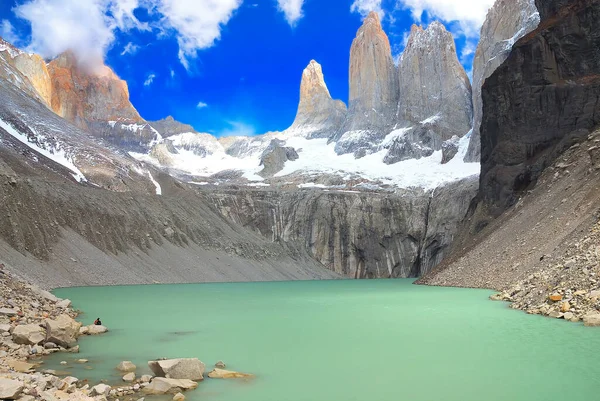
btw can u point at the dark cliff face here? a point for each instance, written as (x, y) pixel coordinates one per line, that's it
(359, 235)
(542, 100)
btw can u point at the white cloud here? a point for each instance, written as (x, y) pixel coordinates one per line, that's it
(172, 73)
(130, 48)
(59, 25)
(201, 105)
(8, 32)
(87, 27)
(149, 79)
(197, 23)
(237, 128)
(292, 9)
(469, 13)
(364, 7)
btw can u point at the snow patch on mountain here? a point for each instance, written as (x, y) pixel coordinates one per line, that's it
(52, 152)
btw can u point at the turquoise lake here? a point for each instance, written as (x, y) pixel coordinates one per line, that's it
(384, 340)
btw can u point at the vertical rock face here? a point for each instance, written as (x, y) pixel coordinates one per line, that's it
(433, 84)
(84, 97)
(34, 68)
(545, 97)
(506, 22)
(26, 71)
(318, 114)
(357, 235)
(373, 83)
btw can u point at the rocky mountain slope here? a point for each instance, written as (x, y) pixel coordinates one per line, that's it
(532, 232)
(506, 22)
(369, 196)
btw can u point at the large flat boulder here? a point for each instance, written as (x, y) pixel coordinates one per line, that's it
(162, 385)
(62, 331)
(28, 334)
(10, 389)
(228, 374)
(592, 320)
(181, 368)
(94, 329)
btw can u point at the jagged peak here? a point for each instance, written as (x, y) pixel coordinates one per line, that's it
(436, 32)
(12, 50)
(312, 77)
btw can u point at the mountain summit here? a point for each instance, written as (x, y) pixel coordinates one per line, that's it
(317, 111)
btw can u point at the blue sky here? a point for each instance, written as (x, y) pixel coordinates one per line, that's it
(224, 66)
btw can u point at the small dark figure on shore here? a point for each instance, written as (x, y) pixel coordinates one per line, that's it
(97, 322)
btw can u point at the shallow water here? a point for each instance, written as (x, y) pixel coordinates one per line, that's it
(340, 340)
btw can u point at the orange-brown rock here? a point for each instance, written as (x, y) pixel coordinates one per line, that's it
(318, 114)
(34, 68)
(85, 96)
(555, 297)
(26, 71)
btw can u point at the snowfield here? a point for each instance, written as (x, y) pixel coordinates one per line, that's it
(317, 157)
(54, 153)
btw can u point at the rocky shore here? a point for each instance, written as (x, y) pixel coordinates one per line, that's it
(34, 323)
(568, 287)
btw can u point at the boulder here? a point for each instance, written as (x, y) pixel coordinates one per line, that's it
(178, 397)
(220, 365)
(565, 307)
(555, 297)
(100, 389)
(162, 385)
(64, 304)
(8, 312)
(592, 319)
(182, 368)
(10, 389)
(146, 378)
(62, 331)
(594, 294)
(5, 328)
(83, 330)
(20, 366)
(28, 334)
(129, 377)
(449, 149)
(94, 329)
(126, 366)
(228, 374)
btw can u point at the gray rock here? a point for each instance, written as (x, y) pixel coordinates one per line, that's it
(182, 368)
(126, 366)
(274, 157)
(506, 22)
(433, 85)
(10, 389)
(161, 385)
(449, 149)
(94, 329)
(62, 331)
(220, 365)
(129, 377)
(64, 304)
(100, 389)
(592, 319)
(28, 334)
(8, 312)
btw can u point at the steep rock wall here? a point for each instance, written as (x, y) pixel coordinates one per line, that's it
(545, 97)
(359, 235)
